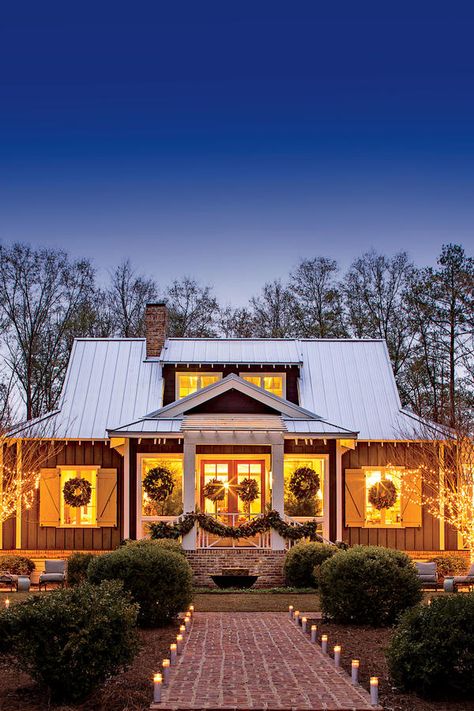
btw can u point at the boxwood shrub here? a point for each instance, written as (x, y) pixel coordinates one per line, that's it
(302, 563)
(77, 565)
(368, 585)
(71, 640)
(16, 565)
(450, 565)
(158, 579)
(165, 543)
(432, 650)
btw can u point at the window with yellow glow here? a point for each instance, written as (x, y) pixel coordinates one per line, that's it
(80, 515)
(219, 471)
(313, 506)
(173, 504)
(274, 384)
(249, 470)
(188, 383)
(382, 517)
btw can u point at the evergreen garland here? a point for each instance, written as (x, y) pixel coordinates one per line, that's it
(261, 524)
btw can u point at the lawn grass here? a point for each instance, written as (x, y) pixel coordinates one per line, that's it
(252, 602)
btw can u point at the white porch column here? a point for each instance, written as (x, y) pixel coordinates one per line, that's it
(189, 490)
(278, 499)
(126, 489)
(339, 494)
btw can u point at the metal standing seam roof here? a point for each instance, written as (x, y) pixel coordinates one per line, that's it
(111, 386)
(271, 351)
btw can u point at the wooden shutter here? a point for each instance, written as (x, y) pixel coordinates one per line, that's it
(50, 481)
(411, 500)
(107, 497)
(355, 497)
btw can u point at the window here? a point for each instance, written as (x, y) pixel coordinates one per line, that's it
(81, 515)
(313, 506)
(382, 517)
(274, 384)
(188, 383)
(173, 504)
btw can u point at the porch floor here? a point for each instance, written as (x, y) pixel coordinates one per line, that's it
(256, 661)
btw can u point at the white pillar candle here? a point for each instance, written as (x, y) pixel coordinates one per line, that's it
(166, 671)
(355, 671)
(314, 630)
(304, 622)
(291, 610)
(374, 690)
(7, 603)
(324, 644)
(173, 654)
(182, 629)
(157, 682)
(187, 624)
(296, 616)
(337, 655)
(179, 644)
(191, 610)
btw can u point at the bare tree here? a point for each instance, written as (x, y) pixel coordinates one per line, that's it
(236, 323)
(41, 293)
(375, 292)
(193, 309)
(126, 298)
(318, 299)
(273, 311)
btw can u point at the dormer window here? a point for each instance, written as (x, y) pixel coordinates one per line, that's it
(275, 384)
(188, 383)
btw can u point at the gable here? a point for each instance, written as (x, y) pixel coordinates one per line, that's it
(233, 401)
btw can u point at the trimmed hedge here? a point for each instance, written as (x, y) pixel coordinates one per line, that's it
(450, 565)
(368, 585)
(159, 580)
(77, 566)
(71, 640)
(16, 565)
(302, 563)
(432, 650)
(168, 544)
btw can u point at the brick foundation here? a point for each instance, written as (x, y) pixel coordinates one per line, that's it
(268, 565)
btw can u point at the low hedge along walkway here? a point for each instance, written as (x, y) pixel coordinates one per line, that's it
(256, 661)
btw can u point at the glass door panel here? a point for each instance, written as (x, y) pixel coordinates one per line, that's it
(250, 470)
(220, 471)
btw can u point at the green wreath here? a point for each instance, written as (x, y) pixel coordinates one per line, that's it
(214, 490)
(158, 484)
(383, 494)
(77, 492)
(248, 490)
(304, 483)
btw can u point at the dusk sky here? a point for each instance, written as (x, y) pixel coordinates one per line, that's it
(227, 140)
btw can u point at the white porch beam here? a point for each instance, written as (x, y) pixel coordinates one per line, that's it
(278, 488)
(189, 490)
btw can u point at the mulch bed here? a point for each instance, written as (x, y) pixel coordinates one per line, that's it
(367, 644)
(128, 691)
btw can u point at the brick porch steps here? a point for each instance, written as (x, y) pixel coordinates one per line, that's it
(256, 661)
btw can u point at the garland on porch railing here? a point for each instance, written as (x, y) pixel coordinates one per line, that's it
(261, 524)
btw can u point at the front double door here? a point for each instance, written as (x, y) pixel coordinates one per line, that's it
(231, 473)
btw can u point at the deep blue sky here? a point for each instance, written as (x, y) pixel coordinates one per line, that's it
(229, 139)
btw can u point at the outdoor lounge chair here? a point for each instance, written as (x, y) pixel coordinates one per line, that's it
(460, 580)
(54, 572)
(8, 580)
(428, 575)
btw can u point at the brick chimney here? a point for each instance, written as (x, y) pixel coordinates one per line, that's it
(156, 324)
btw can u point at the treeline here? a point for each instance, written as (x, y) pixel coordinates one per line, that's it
(425, 314)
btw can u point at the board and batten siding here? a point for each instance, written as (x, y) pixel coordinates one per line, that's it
(37, 537)
(423, 538)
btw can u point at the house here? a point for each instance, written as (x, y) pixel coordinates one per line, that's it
(218, 412)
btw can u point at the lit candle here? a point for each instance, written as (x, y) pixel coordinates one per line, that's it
(337, 655)
(7, 603)
(187, 623)
(166, 671)
(291, 610)
(182, 629)
(324, 644)
(157, 681)
(296, 616)
(173, 654)
(303, 623)
(179, 643)
(314, 629)
(355, 671)
(374, 690)
(191, 610)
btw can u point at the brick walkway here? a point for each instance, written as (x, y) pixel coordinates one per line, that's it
(256, 661)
